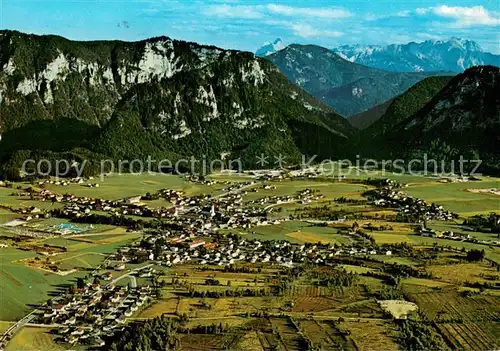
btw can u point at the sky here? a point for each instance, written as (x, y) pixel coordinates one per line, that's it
(248, 24)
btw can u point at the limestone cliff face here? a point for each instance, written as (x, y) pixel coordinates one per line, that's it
(158, 96)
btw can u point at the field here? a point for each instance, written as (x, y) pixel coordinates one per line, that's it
(455, 197)
(119, 186)
(295, 231)
(330, 190)
(24, 286)
(300, 312)
(466, 322)
(33, 339)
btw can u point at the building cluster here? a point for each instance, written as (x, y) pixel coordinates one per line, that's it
(390, 196)
(450, 235)
(88, 313)
(167, 249)
(304, 197)
(66, 182)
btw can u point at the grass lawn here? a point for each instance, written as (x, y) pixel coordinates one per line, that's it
(296, 232)
(6, 199)
(491, 252)
(398, 260)
(22, 287)
(456, 198)
(117, 186)
(330, 190)
(355, 269)
(423, 282)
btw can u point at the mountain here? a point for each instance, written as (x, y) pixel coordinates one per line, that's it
(453, 55)
(463, 118)
(366, 118)
(385, 116)
(270, 48)
(159, 97)
(348, 87)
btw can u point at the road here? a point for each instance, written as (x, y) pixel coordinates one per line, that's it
(129, 274)
(15, 328)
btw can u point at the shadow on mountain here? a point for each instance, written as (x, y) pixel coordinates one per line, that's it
(53, 135)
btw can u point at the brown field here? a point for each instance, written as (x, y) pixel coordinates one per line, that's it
(228, 306)
(469, 336)
(268, 341)
(311, 238)
(372, 335)
(250, 341)
(195, 342)
(290, 337)
(468, 322)
(318, 336)
(314, 304)
(163, 306)
(464, 272)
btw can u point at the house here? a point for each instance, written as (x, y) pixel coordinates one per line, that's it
(133, 200)
(120, 267)
(196, 244)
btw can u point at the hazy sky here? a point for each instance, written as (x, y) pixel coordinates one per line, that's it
(247, 24)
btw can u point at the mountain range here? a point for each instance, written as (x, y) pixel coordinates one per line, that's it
(453, 55)
(443, 118)
(171, 99)
(349, 88)
(158, 97)
(381, 118)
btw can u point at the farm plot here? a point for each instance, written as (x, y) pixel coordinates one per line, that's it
(463, 321)
(250, 341)
(457, 198)
(445, 307)
(288, 334)
(464, 272)
(339, 337)
(318, 336)
(33, 339)
(468, 336)
(371, 335)
(195, 342)
(268, 341)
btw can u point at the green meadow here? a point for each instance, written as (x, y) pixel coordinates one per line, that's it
(293, 231)
(24, 287)
(456, 198)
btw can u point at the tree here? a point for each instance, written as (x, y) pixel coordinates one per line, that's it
(80, 283)
(475, 255)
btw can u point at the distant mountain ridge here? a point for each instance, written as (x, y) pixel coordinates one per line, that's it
(270, 48)
(453, 55)
(347, 87)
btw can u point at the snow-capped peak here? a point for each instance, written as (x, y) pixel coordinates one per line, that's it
(454, 54)
(270, 48)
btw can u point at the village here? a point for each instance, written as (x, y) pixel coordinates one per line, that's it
(196, 230)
